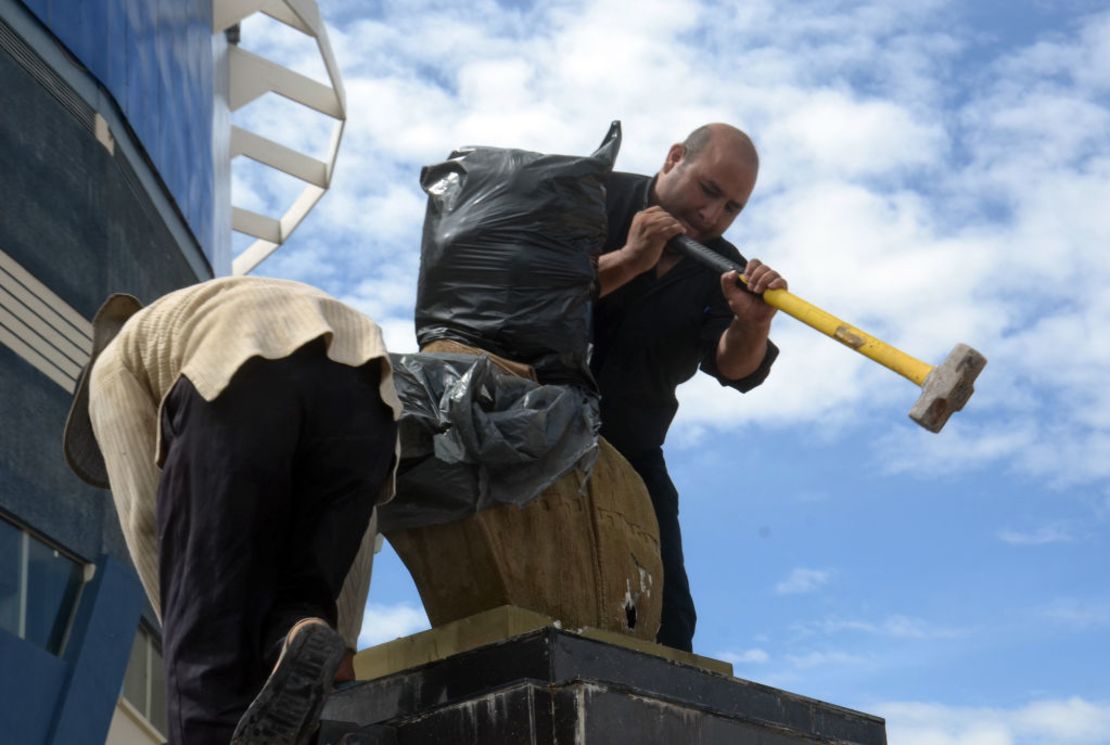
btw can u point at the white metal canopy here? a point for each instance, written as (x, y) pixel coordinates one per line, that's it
(251, 77)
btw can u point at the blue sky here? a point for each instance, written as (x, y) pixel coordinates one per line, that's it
(935, 172)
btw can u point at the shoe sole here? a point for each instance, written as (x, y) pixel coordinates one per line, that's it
(287, 709)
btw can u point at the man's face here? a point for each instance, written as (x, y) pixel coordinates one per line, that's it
(707, 193)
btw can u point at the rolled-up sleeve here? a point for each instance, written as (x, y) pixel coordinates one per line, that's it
(749, 381)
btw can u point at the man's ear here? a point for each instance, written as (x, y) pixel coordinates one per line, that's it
(674, 156)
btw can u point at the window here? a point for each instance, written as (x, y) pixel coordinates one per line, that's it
(144, 684)
(39, 587)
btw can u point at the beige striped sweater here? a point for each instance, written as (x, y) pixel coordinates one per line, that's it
(206, 332)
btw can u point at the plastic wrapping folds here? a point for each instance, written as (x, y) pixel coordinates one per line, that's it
(473, 437)
(509, 250)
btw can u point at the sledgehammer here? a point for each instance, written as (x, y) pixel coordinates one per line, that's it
(944, 388)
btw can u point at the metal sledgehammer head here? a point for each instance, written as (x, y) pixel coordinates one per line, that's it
(947, 387)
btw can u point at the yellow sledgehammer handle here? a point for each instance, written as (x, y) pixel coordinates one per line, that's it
(908, 367)
(895, 359)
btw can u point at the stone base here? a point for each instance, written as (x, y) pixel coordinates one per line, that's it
(553, 687)
(494, 626)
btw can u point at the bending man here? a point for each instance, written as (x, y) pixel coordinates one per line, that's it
(247, 430)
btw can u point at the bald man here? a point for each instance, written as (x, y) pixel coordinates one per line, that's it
(661, 317)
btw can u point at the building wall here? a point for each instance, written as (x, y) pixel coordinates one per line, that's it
(154, 58)
(93, 203)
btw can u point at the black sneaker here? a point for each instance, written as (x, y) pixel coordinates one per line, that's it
(287, 709)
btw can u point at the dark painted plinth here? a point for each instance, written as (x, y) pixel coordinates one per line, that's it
(551, 687)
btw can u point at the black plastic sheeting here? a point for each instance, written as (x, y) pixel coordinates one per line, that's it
(509, 252)
(473, 437)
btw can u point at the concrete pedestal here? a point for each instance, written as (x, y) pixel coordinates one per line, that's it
(552, 687)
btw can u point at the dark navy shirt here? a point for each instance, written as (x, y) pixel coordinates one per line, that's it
(652, 334)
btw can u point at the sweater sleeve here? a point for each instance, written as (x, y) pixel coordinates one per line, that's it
(125, 420)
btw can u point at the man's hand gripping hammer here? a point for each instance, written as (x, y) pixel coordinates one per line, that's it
(944, 388)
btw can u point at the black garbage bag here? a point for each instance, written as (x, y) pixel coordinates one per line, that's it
(508, 259)
(473, 437)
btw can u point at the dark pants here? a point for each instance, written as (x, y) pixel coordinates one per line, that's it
(265, 496)
(679, 617)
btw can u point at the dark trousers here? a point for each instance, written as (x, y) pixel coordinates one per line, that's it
(265, 496)
(679, 617)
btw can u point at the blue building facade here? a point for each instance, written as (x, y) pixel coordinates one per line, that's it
(113, 155)
(154, 58)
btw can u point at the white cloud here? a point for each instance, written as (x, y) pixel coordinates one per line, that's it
(383, 623)
(803, 580)
(399, 335)
(896, 626)
(964, 444)
(1078, 615)
(851, 138)
(1072, 721)
(1063, 454)
(1041, 536)
(812, 660)
(753, 656)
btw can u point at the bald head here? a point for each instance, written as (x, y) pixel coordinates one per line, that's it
(706, 180)
(734, 140)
